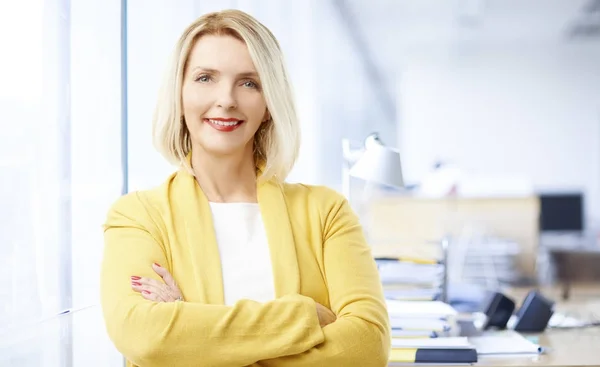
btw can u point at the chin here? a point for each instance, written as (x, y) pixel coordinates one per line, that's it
(221, 144)
(217, 148)
(221, 151)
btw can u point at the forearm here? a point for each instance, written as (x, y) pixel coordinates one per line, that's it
(183, 334)
(349, 342)
(360, 337)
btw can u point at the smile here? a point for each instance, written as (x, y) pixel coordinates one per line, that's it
(225, 125)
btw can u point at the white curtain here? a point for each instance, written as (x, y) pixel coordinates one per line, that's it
(31, 164)
(60, 169)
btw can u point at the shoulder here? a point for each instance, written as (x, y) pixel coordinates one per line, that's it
(141, 207)
(325, 205)
(317, 194)
(325, 200)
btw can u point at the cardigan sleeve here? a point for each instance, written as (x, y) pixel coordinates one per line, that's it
(184, 333)
(360, 336)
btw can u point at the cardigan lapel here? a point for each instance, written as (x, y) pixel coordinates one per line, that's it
(282, 248)
(204, 250)
(201, 238)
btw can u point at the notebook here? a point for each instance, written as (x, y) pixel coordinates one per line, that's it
(420, 309)
(502, 343)
(451, 350)
(456, 342)
(399, 333)
(419, 324)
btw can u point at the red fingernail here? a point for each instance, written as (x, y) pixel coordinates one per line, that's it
(157, 265)
(136, 283)
(135, 278)
(145, 292)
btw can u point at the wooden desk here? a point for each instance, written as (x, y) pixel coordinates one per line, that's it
(564, 348)
(574, 347)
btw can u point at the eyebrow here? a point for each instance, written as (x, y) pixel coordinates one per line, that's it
(246, 74)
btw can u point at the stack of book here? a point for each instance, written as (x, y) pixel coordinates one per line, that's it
(411, 279)
(422, 319)
(454, 350)
(424, 328)
(426, 332)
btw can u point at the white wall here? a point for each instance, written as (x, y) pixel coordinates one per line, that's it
(532, 112)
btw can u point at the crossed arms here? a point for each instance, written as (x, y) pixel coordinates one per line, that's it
(283, 332)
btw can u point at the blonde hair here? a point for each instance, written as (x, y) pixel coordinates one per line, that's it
(277, 142)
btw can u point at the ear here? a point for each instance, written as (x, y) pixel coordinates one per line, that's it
(267, 116)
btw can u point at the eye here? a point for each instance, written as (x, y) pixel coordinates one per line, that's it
(250, 84)
(203, 78)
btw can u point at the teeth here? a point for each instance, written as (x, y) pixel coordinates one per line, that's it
(223, 123)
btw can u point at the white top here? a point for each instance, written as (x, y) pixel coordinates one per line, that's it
(244, 251)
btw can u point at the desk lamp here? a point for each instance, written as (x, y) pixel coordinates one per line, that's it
(379, 164)
(375, 163)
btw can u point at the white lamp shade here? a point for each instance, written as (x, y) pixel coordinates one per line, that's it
(379, 164)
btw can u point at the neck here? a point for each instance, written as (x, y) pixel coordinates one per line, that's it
(225, 178)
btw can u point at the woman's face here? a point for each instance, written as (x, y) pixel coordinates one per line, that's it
(223, 104)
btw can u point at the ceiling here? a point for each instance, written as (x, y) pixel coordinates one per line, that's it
(424, 22)
(385, 33)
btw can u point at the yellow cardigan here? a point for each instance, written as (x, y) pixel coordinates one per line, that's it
(318, 252)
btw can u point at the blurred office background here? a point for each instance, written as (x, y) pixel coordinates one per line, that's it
(494, 106)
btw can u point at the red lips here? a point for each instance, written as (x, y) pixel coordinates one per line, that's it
(224, 128)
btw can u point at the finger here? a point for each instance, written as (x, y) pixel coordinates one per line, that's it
(145, 283)
(333, 317)
(167, 293)
(328, 315)
(151, 296)
(136, 283)
(330, 320)
(158, 293)
(167, 277)
(152, 282)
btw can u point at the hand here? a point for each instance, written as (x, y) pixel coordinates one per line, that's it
(154, 290)
(326, 316)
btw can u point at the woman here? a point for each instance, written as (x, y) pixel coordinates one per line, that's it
(268, 273)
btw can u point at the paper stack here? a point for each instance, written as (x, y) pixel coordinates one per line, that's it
(424, 319)
(411, 279)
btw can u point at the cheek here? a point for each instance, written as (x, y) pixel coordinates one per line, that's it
(255, 108)
(192, 100)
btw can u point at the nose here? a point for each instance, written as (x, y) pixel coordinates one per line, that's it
(225, 97)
